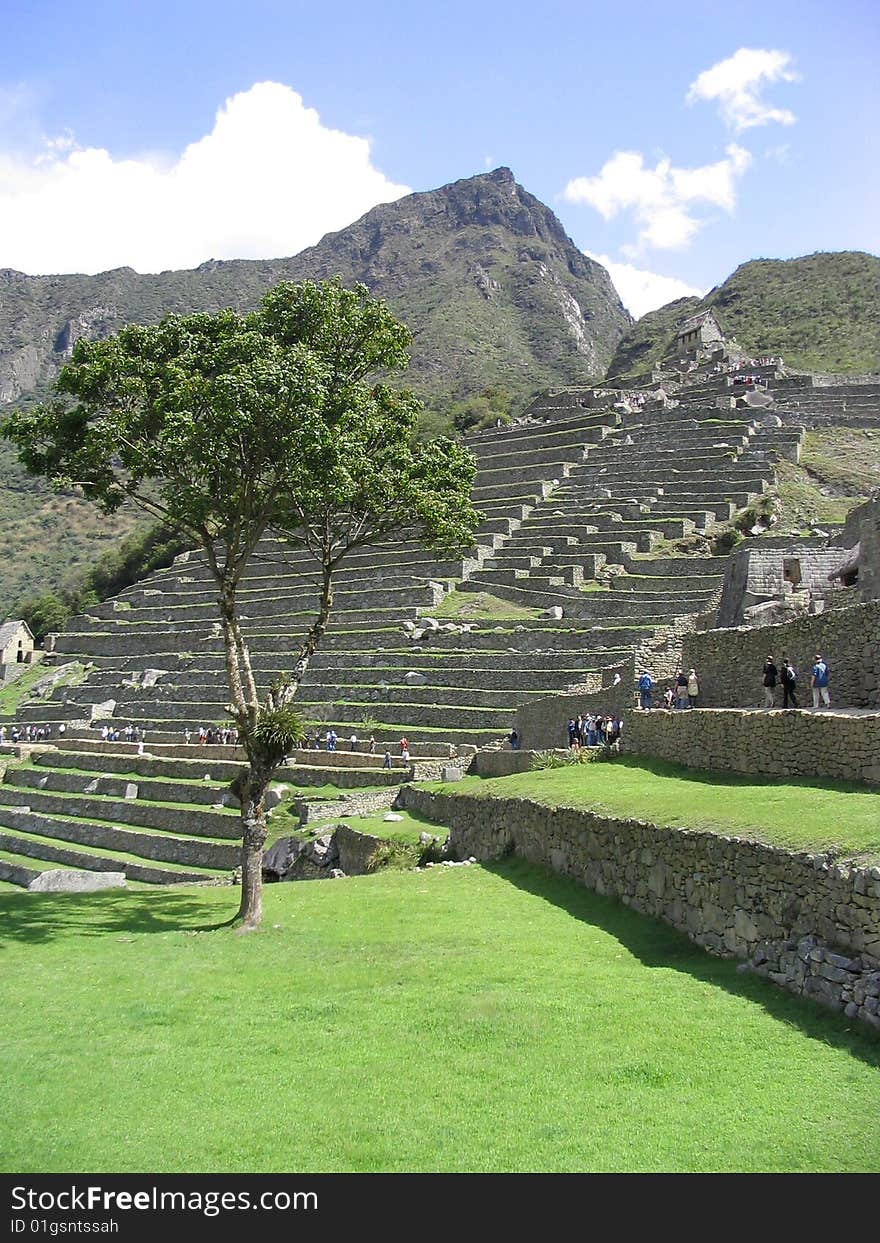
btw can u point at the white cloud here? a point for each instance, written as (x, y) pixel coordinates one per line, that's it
(661, 197)
(642, 291)
(268, 180)
(736, 85)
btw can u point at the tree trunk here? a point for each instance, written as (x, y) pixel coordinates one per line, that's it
(253, 838)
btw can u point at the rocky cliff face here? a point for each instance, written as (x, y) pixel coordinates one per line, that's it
(482, 272)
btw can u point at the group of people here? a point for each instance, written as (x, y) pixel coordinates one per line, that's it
(594, 730)
(682, 692)
(30, 733)
(786, 676)
(215, 735)
(113, 733)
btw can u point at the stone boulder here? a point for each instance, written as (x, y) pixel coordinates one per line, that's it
(72, 880)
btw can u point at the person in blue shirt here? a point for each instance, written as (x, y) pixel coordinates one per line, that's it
(646, 685)
(819, 683)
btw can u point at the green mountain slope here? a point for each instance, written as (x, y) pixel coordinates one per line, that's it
(820, 312)
(481, 271)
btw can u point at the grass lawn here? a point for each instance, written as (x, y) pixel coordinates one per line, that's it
(466, 606)
(405, 830)
(456, 1019)
(800, 815)
(12, 694)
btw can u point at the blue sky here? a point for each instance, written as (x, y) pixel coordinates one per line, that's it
(673, 142)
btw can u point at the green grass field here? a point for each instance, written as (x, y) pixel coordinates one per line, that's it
(455, 1019)
(799, 815)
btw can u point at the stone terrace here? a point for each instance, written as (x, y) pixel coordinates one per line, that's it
(575, 507)
(168, 816)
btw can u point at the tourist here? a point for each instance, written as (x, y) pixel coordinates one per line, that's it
(769, 680)
(681, 690)
(404, 751)
(513, 739)
(819, 683)
(693, 688)
(354, 742)
(187, 734)
(646, 685)
(669, 697)
(372, 744)
(572, 732)
(386, 763)
(788, 677)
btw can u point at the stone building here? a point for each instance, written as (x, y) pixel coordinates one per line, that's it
(16, 643)
(772, 579)
(16, 648)
(700, 332)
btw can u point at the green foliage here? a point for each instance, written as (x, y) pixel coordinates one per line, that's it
(396, 855)
(146, 550)
(726, 542)
(486, 409)
(544, 760)
(839, 468)
(278, 731)
(44, 614)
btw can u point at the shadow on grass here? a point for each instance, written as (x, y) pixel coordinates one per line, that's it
(657, 944)
(41, 918)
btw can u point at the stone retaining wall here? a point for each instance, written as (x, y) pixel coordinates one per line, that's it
(158, 847)
(771, 744)
(355, 805)
(810, 926)
(730, 662)
(541, 723)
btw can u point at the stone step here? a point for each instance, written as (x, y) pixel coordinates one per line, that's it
(270, 605)
(157, 817)
(512, 476)
(175, 717)
(49, 854)
(155, 847)
(206, 704)
(543, 433)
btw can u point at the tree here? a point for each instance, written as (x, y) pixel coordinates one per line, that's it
(229, 427)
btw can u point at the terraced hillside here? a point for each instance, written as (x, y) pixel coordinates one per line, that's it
(575, 503)
(163, 818)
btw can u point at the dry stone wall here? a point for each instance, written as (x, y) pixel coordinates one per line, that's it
(542, 722)
(808, 925)
(730, 662)
(771, 744)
